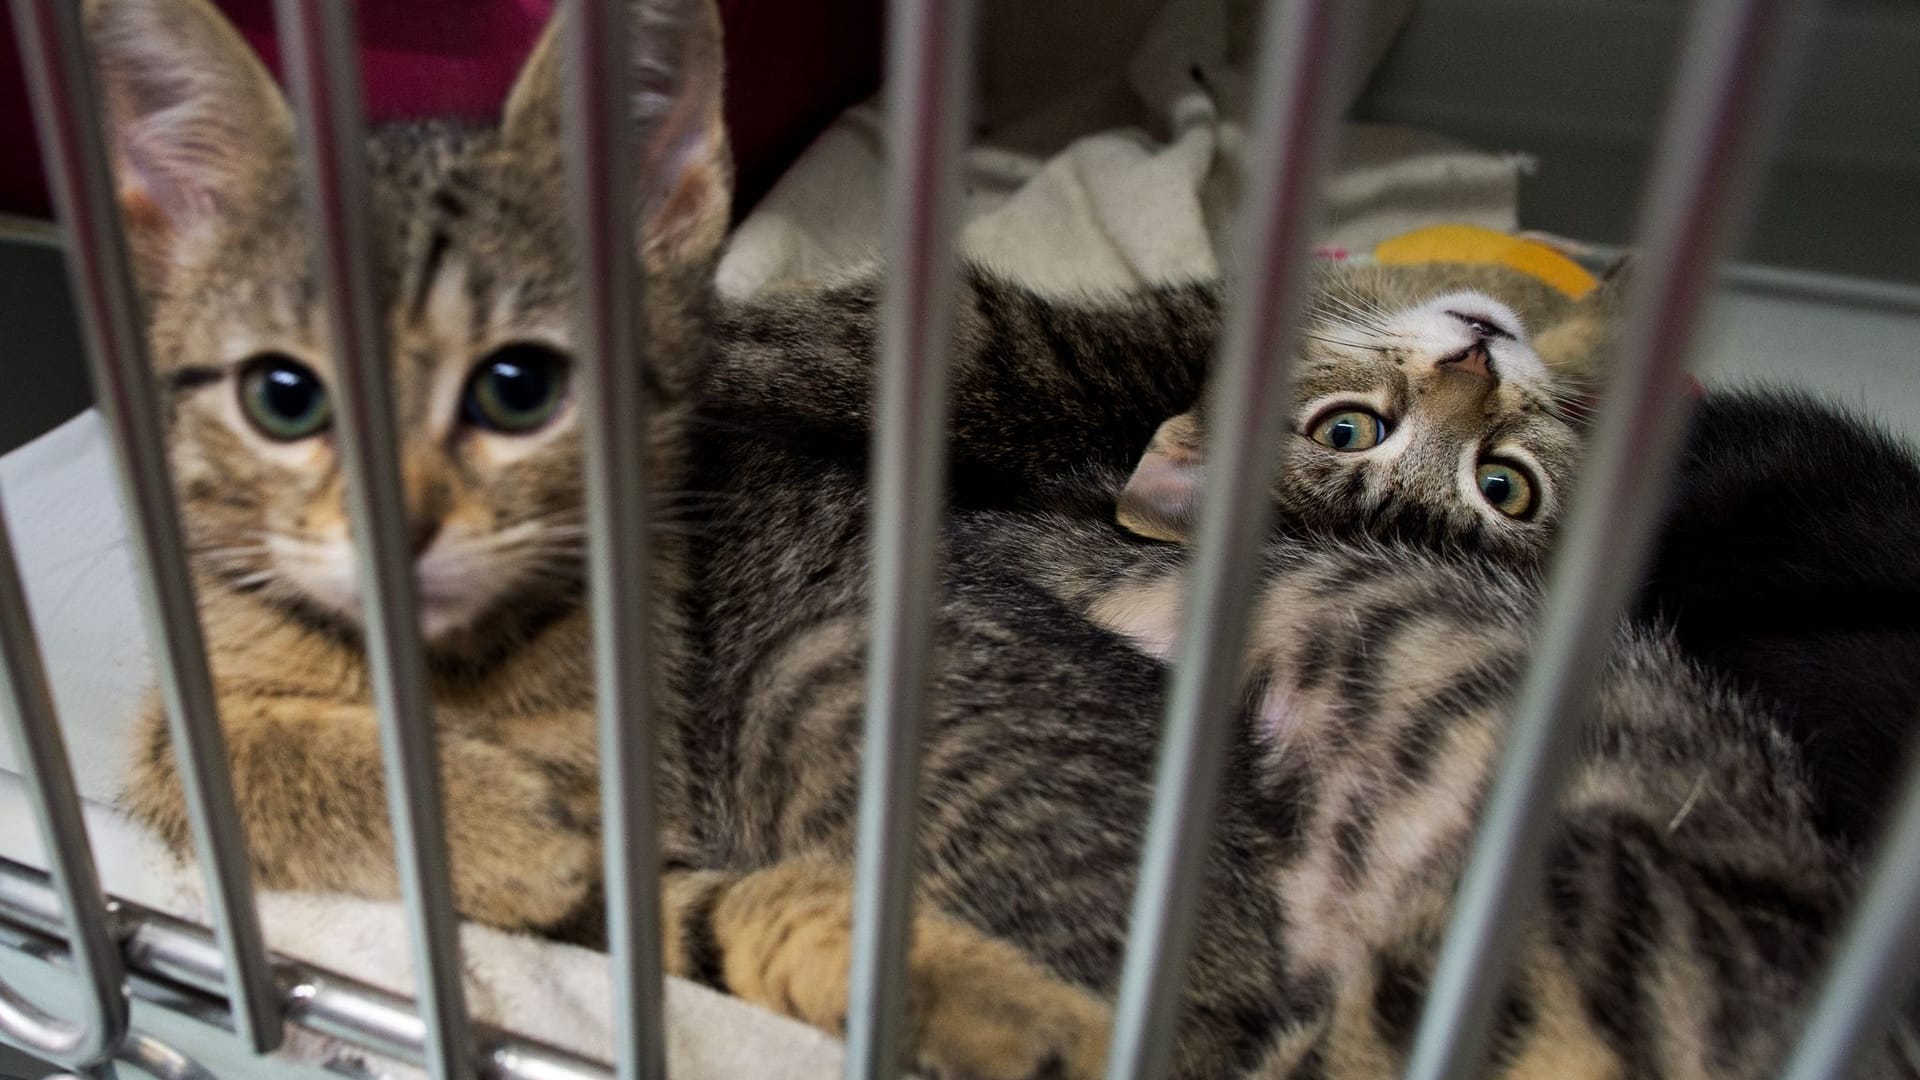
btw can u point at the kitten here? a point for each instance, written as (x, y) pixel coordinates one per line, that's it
(1382, 666)
(475, 269)
(1768, 570)
(1691, 892)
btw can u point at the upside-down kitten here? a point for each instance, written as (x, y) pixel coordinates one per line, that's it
(1690, 897)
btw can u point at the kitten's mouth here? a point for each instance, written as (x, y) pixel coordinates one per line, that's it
(442, 610)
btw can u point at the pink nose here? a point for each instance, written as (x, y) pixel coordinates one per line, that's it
(1472, 360)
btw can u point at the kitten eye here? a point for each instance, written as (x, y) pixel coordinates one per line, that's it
(284, 398)
(1349, 430)
(516, 389)
(1506, 487)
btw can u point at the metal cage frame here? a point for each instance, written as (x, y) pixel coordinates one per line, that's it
(1730, 89)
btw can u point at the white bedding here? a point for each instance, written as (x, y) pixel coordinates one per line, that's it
(1097, 211)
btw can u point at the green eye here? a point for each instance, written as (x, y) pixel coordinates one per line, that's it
(284, 398)
(1506, 487)
(1350, 429)
(516, 389)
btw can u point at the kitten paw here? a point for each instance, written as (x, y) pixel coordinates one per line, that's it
(524, 858)
(981, 1011)
(977, 1007)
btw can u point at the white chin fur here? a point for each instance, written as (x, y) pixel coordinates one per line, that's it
(449, 597)
(1440, 332)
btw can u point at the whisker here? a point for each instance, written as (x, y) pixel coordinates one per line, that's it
(1369, 318)
(1327, 339)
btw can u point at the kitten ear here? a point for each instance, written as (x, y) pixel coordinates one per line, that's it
(1620, 270)
(196, 125)
(675, 79)
(1162, 498)
(1579, 347)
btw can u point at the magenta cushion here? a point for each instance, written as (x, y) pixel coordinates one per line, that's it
(792, 67)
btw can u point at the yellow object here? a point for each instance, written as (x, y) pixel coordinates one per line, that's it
(1471, 244)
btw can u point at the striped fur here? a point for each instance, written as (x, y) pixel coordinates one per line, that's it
(1689, 900)
(1040, 742)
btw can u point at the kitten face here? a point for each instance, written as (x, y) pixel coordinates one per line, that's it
(1431, 418)
(474, 269)
(1438, 418)
(480, 340)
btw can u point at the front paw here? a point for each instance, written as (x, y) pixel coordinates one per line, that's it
(977, 1008)
(980, 1010)
(523, 857)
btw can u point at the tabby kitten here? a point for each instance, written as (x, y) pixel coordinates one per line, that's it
(474, 264)
(1691, 893)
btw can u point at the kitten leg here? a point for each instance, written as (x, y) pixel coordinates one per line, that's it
(310, 786)
(977, 1007)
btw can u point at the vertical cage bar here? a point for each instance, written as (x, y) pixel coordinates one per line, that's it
(63, 836)
(1873, 968)
(1304, 51)
(929, 79)
(601, 162)
(322, 68)
(1730, 90)
(66, 110)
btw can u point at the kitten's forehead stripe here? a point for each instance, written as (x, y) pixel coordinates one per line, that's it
(182, 380)
(437, 245)
(480, 284)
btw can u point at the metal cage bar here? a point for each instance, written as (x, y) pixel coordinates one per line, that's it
(603, 177)
(66, 112)
(930, 73)
(179, 961)
(1303, 53)
(63, 836)
(317, 38)
(1730, 90)
(1873, 967)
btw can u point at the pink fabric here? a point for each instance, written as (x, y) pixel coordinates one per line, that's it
(424, 57)
(792, 66)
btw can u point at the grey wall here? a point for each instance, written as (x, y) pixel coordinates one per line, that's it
(43, 378)
(1579, 84)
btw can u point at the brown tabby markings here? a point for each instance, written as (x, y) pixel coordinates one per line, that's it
(474, 257)
(1688, 901)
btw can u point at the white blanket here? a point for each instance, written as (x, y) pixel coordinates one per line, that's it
(1088, 210)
